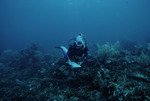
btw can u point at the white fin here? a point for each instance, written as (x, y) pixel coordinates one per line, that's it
(64, 49)
(73, 64)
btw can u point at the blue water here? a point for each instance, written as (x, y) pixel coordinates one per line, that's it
(53, 22)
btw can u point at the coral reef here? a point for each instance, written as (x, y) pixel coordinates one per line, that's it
(106, 51)
(112, 74)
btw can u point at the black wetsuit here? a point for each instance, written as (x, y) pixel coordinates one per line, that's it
(74, 52)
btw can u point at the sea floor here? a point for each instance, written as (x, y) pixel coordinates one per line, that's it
(30, 75)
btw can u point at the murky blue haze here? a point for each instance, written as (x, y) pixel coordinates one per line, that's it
(53, 22)
(29, 72)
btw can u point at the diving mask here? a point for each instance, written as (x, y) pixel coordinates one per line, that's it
(79, 41)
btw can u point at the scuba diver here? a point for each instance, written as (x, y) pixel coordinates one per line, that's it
(77, 51)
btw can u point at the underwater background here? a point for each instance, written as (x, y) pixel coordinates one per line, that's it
(51, 22)
(118, 38)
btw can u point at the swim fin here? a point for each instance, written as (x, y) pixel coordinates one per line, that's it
(73, 64)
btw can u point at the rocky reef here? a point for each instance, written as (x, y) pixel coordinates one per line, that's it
(111, 73)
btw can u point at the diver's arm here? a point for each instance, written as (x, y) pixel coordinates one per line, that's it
(83, 60)
(85, 55)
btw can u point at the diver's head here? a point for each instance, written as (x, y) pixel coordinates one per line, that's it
(79, 41)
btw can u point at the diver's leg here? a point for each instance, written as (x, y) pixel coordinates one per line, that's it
(66, 56)
(65, 52)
